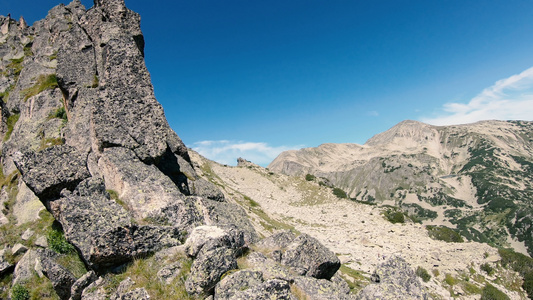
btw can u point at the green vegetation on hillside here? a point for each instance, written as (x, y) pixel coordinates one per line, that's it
(339, 193)
(11, 121)
(443, 233)
(520, 263)
(43, 82)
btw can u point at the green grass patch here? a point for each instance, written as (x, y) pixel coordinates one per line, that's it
(59, 113)
(11, 121)
(449, 279)
(310, 177)
(394, 215)
(355, 279)
(339, 193)
(144, 273)
(43, 83)
(471, 288)
(491, 293)
(20, 292)
(520, 263)
(423, 274)
(443, 233)
(487, 268)
(56, 240)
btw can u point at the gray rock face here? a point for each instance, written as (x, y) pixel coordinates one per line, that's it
(207, 269)
(321, 289)
(95, 291)
(77, 287)
(43, 262)
(5, 266)
(102, 230)
(143, 187)
(270, 268)
(210, 237)
(271, 289)
(48, 172)
(62, 280)
(236, 283)
(122, 244)
(277, 241)
(397, 281)
(169, 272)
(18, 249)
(312, 258)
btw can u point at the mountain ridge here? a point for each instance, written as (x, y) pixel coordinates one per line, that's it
(458, 165)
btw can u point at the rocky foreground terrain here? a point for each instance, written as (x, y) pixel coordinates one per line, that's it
(100, 199)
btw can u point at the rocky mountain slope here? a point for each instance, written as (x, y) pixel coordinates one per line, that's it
(100, 199)
(476, 178)
(99, 196)
(361, 234)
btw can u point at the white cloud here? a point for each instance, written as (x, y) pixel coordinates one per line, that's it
(508, 99)
(227, 152)
(372, 113)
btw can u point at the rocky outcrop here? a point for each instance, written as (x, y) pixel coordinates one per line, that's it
(77, 287)
(81, 125)
(69, 166)
(5, 266)
(394, 279)
(44, 263)
(85, 79)
(303, 254)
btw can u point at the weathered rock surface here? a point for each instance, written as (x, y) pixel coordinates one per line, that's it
(5, 266)
(95, 291)
(169, 272)
(18, 249)
(304, 254)
(208, 267)
(50, 171)
(210, 237)
(27, 206)
(77, 287)
(271, 289)
(43, 262)
(321, 288)
(396, 281)
(236, 283)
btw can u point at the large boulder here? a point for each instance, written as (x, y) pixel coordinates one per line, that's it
(397, 280)
(50, 171)
(322, 289)
(210, 237)
(236, 283)
(44, 263)
(208, 267)
(307, 256)
(5, 266)
(77, 287)
(143, 187)
(271, 289)
(102, 229)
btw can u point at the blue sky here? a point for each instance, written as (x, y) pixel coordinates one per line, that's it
(253, 78)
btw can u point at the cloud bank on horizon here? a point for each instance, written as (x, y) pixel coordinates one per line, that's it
(227, 152)
(507, 99)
